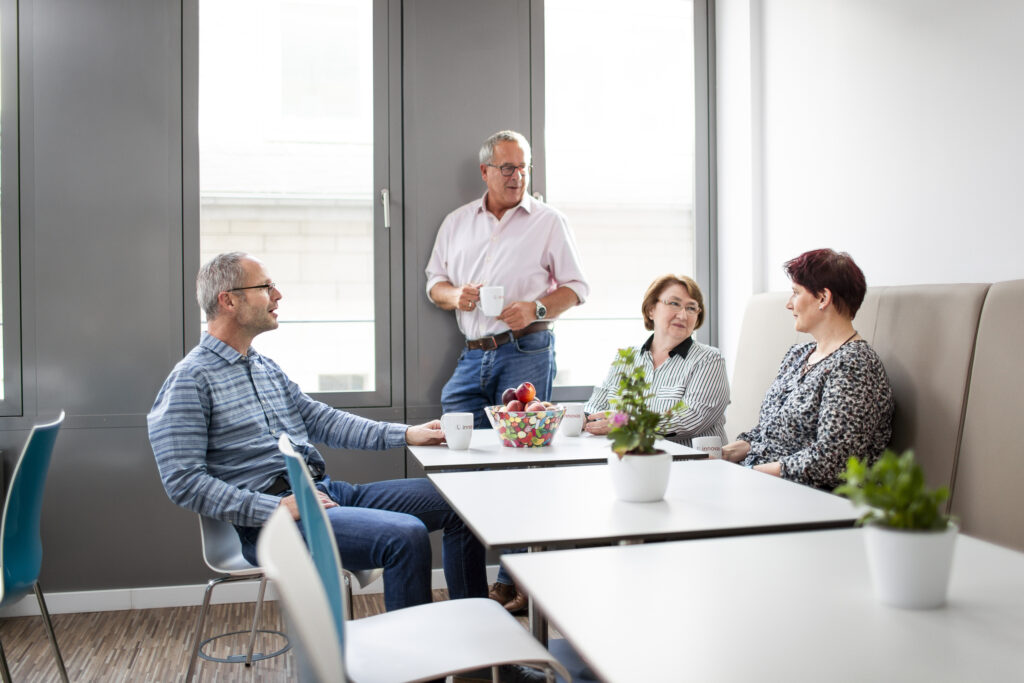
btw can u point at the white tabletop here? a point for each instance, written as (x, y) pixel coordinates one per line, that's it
(560, 506)
(485, 451)
(783, 607)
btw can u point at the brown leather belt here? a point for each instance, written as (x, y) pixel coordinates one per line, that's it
(489, 343)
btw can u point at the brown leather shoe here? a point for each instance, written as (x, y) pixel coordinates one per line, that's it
(501, 592)
(518, 603)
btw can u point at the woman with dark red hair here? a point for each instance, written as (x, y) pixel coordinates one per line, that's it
(831, 398)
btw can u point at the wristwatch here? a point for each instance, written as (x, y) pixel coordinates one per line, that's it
(542, 310)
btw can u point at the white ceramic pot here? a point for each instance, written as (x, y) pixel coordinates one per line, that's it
(640, 478)
(910, 569)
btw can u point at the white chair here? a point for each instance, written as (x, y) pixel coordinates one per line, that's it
(412, 644)
(222, 553)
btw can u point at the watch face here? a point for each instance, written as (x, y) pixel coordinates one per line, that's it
(542, 310)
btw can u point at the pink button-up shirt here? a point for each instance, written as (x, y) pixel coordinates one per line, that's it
(530, 252)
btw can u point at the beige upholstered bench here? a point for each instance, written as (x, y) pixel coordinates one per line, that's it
(953, 355)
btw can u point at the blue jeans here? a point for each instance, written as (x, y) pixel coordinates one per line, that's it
(480, 376)
(386, 524)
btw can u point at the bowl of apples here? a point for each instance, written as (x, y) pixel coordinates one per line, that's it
(522, 421)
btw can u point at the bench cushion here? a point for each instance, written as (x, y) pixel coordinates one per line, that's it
(990, 470)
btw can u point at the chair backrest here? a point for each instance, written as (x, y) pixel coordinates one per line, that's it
(990, 469)
(287, 562)
(925, 336)
(21, 547)
(317, 530)
(222, 549)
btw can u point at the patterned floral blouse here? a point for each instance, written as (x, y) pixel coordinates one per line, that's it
(812, 422)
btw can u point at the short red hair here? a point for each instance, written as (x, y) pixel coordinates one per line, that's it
(823, 269)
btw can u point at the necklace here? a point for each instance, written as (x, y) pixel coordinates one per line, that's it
(808, 364)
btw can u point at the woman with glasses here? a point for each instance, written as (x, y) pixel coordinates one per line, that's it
(831, 398)
(677, 366)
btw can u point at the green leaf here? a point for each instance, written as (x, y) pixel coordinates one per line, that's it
(895, 490)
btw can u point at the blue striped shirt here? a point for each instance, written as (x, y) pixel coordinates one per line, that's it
(215, 424)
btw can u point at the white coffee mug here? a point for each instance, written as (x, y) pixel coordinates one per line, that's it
(712, 445)
(572, 421)
(492, 300)
(458, 430)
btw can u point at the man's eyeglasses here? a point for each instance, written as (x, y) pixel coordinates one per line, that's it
(691, 309)
(268, 286)
(508, 169)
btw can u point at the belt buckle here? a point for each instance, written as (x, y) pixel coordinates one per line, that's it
(488, 343)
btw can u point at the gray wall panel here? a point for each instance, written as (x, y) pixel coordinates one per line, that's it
(106, 149)
(466, 75)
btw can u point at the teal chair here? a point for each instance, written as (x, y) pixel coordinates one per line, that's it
(21, 548)
(412, 644)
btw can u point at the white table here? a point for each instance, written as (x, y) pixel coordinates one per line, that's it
(485, 451)
(565, 506)
(783, 607)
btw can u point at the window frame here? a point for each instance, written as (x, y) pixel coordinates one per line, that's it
(705, 208)
(10, 211)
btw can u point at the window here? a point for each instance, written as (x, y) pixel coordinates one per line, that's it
(286, 154)
(620, 162)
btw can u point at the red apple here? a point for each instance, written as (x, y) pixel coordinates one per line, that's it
(514, 405)
(535, 406)
(526, 392)
(508, 395)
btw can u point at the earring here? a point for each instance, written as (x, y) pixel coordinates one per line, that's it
(821, 307)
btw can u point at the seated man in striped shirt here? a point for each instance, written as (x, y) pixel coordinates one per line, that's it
(214, 429)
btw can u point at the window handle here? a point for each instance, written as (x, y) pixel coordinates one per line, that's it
(385, 201)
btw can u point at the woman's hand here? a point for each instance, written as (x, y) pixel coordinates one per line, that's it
(735, 451)
(597, 423)
(772, 468)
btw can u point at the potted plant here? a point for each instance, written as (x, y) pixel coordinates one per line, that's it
(639, 471)
(909, 539)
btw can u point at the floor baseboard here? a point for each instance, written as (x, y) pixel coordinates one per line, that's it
(171, 596)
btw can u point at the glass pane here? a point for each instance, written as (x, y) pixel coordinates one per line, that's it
(286, 172)
(619, 141)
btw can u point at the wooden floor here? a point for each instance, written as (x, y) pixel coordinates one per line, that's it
(153, 645)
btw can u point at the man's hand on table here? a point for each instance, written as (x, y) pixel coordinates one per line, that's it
(428, 434)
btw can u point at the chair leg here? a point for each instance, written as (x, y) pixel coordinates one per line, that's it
(49, 632)
(255, 622)
(4, 671)
(349, 613)
(197, 641)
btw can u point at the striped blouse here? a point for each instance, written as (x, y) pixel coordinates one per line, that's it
(695, 373)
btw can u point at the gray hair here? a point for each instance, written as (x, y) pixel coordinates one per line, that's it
(220, 274)
(487, 151)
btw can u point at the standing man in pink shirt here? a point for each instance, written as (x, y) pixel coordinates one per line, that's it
(510, 239)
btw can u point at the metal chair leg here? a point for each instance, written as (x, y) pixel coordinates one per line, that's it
(197, 641)
(349, 614)
(49, 632)
(255, 622)
(4, 671)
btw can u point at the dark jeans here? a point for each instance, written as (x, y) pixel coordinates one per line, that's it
(386, 524)
(481, 376)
